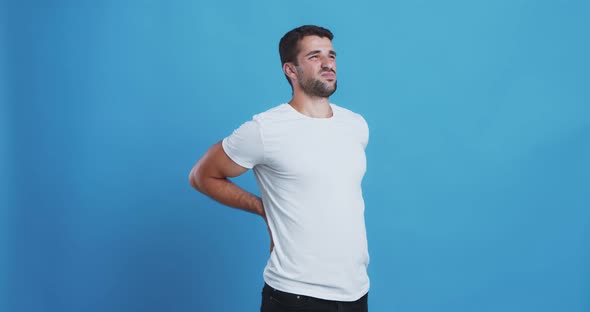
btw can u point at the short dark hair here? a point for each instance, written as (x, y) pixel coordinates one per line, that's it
(289, 44)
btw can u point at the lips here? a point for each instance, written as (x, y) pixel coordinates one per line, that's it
(329, 75)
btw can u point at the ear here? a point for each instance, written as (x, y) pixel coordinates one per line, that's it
(290, 71)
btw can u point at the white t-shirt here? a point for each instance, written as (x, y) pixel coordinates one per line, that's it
(309, 171)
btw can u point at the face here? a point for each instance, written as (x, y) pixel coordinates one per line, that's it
(316, 69)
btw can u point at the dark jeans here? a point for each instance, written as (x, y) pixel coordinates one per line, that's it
(278, 301)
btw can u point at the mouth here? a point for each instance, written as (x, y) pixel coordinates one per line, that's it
(329, 75)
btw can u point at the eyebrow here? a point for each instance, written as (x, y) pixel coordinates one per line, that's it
(331, 52)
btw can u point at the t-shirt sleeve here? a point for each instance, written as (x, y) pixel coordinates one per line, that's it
(244, 146)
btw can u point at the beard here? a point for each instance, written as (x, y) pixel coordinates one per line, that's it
(315, 87)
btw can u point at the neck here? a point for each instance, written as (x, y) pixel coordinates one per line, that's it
(315, 107)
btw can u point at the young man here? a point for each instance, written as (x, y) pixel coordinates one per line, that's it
(308, 157)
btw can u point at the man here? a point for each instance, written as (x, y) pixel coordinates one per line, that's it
(308, 157)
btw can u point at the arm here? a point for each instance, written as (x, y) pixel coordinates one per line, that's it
(210, 177)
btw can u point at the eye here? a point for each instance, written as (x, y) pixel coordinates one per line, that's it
(313, 57)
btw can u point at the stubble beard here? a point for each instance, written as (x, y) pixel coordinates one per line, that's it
(316, 88)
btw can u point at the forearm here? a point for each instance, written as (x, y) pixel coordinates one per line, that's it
(227, 193)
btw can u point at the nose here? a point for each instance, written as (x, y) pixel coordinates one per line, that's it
(328, 63)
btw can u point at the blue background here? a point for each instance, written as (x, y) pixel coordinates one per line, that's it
(478, 182)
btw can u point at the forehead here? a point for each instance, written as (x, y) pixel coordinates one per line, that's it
(312, 43)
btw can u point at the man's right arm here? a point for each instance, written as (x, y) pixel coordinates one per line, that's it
(210, 177)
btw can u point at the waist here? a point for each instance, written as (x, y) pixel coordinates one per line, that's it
(287, 297)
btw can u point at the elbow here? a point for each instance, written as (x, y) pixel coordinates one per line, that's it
(194, 179)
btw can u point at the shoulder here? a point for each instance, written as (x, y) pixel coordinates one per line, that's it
(277, 113)
(351, 118)
(348, 114)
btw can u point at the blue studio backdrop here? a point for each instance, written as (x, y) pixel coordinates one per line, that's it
(478, 181)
